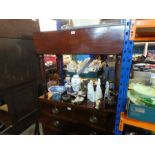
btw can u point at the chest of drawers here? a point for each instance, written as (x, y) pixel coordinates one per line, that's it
(65, 118)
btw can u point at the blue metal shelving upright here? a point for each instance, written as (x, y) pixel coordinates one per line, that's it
(125, 75)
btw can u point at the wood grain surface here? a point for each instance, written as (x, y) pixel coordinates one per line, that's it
(95, 40)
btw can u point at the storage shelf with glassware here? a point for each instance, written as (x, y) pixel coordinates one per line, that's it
(140, 107)
(97, 92)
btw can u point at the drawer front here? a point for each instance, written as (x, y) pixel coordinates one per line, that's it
(64, 111)
(57, 110)
(53, 131)
(81, 115)
(110, 122)
(52, 125)
(83, 129)
(95, 119)
(95, 132)
(88, 117)
(104, 120)
(60, 124)
(55, 122)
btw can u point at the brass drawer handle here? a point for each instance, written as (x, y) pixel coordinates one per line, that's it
(56, 123)
(93, 119)
(55, 110)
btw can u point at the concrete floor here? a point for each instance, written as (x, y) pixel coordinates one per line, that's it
(31, 129)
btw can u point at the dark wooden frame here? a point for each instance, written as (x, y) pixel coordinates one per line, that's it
(92, 40)
(19, 68)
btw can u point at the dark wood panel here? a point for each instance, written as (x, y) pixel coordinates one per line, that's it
(20, 75)
(24, 100)
(53, 131)
(97, 40)
(22, 124)
(18, 28)
(22, 105)
(18, 62)
(80, 119)
(21, 100)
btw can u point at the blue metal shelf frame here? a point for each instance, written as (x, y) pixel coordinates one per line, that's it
(125, 75)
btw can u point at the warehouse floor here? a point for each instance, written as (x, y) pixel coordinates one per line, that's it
(31, 129)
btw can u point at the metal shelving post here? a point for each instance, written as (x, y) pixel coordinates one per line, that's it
(125, 74)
